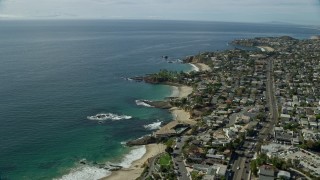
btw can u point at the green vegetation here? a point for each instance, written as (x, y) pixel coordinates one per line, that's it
(312, 145)
(275, 161)
(261, 116)
(164, 76)
(166, 167)
(254, 167)
(170, 143)
(195, 175)
(165, 160)
(251, 132)
(292, 126)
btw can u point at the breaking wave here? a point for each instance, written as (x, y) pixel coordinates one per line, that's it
(86, 173)
(143, 103)
(108, 116)
(132, 156)
(153, 126)
(194, 67)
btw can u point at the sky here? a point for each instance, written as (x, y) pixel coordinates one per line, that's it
(288, 11)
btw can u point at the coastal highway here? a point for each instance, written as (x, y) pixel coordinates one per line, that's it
(243, 171)
(241, 163)
(178, 162)
(271, 98)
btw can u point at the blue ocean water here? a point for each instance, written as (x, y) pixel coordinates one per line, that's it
(53, 74)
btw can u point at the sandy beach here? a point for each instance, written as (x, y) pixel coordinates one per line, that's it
(180, 116)
(137, 168)
(184, 91)
(202, 67)
(266, 48)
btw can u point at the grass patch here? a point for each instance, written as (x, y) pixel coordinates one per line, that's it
(165, 160)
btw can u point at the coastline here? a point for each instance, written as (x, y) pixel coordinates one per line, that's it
(137, 166)
(203, 67)
(184, 91)
(180, 116)
(265, 48)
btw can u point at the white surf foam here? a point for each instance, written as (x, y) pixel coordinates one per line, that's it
(108, 116)
(86, 173)
(123, 142)
(142, 103)
(262, 49)
(153, 126)
(133, 155)
(194, 67)
(174, 91)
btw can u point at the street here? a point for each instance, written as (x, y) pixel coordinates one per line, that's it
(241, 159)
(178, 163)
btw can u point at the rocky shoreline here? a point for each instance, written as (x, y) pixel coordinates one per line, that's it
(142, 141)
(159, 104)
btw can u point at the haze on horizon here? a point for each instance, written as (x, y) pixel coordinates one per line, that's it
(287, 11)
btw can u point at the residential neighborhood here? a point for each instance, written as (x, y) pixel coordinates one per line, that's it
(257, 113)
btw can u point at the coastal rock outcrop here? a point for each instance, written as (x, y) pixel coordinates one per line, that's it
(142, 141)
(160, 104)
(188, 59)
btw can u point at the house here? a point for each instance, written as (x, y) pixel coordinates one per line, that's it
(284, 175)
(266, 172)
(284, 137)
(304, 122)
(245, 118)
(244, 101)
(313, 125)
(217, 156)
(285, 117)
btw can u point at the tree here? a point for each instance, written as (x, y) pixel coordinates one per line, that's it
(253, 167)
(262, 159)
(289, 163)
(295, 163)
(278, 163)
(261, 116)
(169, 149)
(250, 132)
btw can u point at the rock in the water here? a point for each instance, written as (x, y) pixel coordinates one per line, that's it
(188, 59)
(142, 141)
(160, 104)
(83, 161)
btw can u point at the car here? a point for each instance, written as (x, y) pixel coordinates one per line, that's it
(238, 167)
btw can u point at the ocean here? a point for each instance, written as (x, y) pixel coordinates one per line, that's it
(54, 75)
